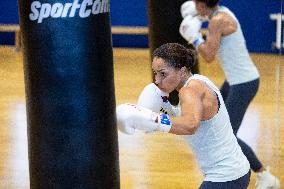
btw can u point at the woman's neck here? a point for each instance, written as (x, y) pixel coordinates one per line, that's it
(212, 12)
(184, 81)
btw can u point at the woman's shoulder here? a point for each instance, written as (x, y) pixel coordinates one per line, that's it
(194, 86)
(221, 22)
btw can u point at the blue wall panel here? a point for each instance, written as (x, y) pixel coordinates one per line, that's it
(129, 13)
(8, 11)
(253, 15)
(8, 15)
(139, 41)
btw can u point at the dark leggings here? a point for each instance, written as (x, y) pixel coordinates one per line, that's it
(241, 183)
(237, 99)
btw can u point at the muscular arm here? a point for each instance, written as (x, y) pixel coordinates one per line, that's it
(220, 25)
(192, 110)
(209, 48)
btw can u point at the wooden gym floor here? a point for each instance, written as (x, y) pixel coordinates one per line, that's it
(152, 161)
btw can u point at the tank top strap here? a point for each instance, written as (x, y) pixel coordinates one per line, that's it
(204, 79)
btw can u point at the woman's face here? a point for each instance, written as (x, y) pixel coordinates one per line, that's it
(200, 7)
(167, 78)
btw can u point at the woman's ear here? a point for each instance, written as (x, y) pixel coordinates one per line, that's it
(184, 71)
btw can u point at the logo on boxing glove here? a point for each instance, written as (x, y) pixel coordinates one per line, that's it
(165, 122)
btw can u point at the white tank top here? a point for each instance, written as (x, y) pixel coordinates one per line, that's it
(234, 56)
(218, 154)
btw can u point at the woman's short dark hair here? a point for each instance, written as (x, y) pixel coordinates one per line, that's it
(209, 3)
(176, 55)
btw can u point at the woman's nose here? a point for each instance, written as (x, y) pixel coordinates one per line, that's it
(157, 80)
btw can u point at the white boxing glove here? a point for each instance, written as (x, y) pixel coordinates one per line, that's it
(188, 8)
(156, 100)
(131, 117)
(190, 30)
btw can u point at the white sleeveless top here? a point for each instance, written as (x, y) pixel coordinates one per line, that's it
(218, 154)
(234, 56)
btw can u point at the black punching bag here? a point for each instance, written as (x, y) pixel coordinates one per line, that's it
(68, 68)
(164, 20)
